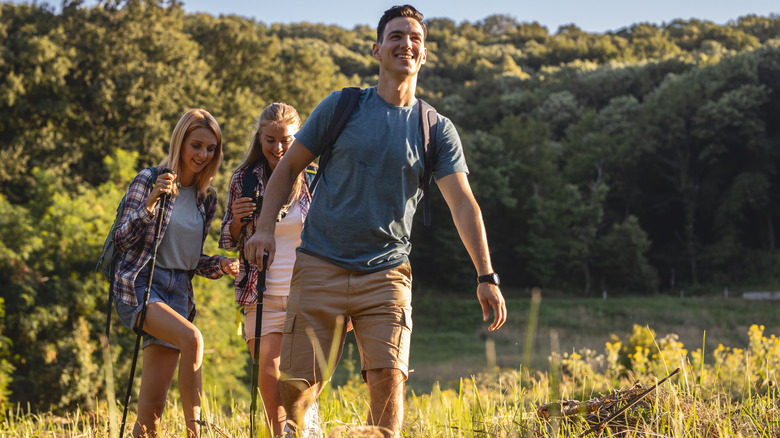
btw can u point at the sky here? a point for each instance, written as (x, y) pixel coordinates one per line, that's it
(592, 16)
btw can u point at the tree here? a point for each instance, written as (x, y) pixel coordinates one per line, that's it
(33, 111)
(684, 126)
(305, 87)
(649, 41)
(50, 309)
(621, 259)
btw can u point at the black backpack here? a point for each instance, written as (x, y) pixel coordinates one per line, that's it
(107, 261)
(346, 105)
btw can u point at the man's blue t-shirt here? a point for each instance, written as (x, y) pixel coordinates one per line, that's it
(361, 214)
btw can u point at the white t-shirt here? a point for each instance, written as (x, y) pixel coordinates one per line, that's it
(288, 238)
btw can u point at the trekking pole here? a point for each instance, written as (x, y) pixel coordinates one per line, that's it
(142, 316)
(260, 287)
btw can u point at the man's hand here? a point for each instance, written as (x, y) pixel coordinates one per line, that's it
(262, 242)
(490, 297)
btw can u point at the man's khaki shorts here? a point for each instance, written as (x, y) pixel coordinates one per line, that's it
(378, 303)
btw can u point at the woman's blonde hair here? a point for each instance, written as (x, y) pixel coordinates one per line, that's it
(190, 121)
(275, 113)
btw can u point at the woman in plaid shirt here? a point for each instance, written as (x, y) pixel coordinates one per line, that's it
(170, 338)
(274, 133)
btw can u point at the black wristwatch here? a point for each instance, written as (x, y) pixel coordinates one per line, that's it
(491, 278)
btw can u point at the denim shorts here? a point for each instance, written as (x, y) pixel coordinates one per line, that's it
(170, 286)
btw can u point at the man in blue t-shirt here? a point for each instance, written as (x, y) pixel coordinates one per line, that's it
(353, 261)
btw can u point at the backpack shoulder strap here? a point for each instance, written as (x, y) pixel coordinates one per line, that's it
(155, 173)
(428, 124)
(311, 172)
(346, 105)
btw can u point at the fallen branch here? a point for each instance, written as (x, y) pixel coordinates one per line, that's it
(599, 412)
(601, 425)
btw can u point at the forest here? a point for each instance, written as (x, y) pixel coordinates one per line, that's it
(636, 162)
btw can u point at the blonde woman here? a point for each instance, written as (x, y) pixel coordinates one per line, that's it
(274, 132)
(169, 336)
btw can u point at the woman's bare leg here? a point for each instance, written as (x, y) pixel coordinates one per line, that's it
(268, 377)
(165, 324)
(159, 363)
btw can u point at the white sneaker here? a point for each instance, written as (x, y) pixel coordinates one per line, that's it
(312, 419)
(313, 423)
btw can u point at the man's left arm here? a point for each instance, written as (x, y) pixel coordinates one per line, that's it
(468, 220)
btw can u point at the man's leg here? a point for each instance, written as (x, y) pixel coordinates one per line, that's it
(386, 392)
(382, 318)
(317, 301)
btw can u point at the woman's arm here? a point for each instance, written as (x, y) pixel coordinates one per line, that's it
(228, 237)
(136, 216)
(213, 266)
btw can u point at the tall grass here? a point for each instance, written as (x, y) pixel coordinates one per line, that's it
(732, 395)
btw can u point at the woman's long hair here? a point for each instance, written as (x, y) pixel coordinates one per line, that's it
(275, 113)
(190, 121)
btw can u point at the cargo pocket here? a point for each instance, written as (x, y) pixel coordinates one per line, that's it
(289, 324)
(407, 319)
(405, 337)
(285, 360)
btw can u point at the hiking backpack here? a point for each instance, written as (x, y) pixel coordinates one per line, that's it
(428, 121)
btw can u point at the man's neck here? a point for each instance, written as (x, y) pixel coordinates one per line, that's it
(397, 92)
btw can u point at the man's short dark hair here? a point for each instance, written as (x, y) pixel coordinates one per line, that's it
(399, 11)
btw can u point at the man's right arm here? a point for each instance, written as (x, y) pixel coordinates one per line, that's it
(276, 194)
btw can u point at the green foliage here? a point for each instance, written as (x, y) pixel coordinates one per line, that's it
(50, 301)
(622, 259)
(6, 369)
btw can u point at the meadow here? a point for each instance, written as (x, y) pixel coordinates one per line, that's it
(591, 370)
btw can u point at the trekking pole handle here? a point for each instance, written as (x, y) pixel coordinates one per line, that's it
(261, 277)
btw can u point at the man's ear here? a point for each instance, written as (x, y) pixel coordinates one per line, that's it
(375, 51)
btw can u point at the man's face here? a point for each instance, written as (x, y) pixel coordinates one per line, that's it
(402, 50)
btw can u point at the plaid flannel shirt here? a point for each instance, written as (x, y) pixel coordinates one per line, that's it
(134, 236)
(247, 294)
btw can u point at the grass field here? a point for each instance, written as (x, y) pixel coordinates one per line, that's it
(583, 350)
(449, 337)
